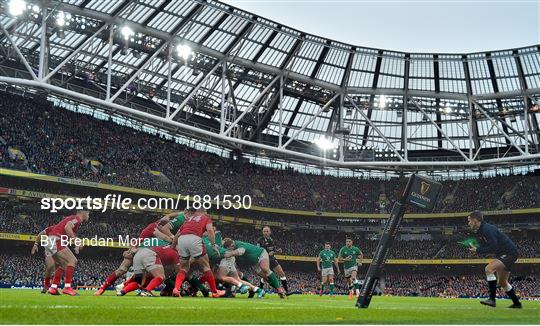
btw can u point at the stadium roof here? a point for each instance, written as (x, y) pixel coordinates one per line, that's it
(245, 81)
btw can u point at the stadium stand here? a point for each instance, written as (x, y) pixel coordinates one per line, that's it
(58, 142)
(295, 242)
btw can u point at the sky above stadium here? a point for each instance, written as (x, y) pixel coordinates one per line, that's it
(454, 26)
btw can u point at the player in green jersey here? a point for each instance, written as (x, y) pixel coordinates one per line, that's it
(351, 257)
(225, 262)
(257, 257)
(176, 220)
(326, 258)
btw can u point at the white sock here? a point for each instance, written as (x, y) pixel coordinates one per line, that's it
(507, 288)
(54, 286)
(283, 278)
(67, 285)
(491, 277)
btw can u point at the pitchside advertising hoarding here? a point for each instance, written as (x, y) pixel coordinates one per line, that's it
(420, 192)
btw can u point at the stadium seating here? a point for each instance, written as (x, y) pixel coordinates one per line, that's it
(59, 142)
(296, 242)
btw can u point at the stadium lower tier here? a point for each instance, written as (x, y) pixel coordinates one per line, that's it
(21, 218)
(21, 269)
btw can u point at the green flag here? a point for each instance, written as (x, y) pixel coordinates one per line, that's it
(471, 242)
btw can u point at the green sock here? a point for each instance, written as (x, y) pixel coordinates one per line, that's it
(322, 286)
(356, 284)
(331, 288)
(273, 280)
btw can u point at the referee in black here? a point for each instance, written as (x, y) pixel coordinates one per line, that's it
(267, 243)
(493, 241)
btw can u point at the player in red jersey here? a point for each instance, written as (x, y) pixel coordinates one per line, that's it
(188, 241)
(62, 255)
(49, 261)
(153, 229)
(157, 263)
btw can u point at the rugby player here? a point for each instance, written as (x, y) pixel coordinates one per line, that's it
(49, 261)
(256, 257)
(188, 241)
(175, 222)
(62, 255)
(326, 258)
(493, 241)
(268, 243)
(152, 230)
(351, 257)
(155, 263)
(226, 270)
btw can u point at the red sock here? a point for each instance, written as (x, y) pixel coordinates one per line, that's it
(179, 279)
(47, 282)
(132, 286)
(147, 281)
(129, 280)
(211, 281)
(57, 276)
(202, 279)
(110, 281)
(156, 281)
(69, 275)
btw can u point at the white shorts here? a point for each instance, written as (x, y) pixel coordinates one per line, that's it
(348, 271)
(262, 256)
(327, 271)
(228, 264)
(145, 260)
(190, 245)
(53, 246)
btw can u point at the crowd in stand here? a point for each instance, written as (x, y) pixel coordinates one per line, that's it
(55, 141)
(59, 142)
(299, 242)
(434, 285)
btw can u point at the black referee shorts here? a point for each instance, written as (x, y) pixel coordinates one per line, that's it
(508, 261)
(273, 262)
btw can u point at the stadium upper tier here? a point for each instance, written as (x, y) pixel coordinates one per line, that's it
(209, 70)
(39, 137)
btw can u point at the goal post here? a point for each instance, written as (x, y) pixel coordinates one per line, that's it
(420, 192)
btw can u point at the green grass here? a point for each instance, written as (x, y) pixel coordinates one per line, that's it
(31, 307)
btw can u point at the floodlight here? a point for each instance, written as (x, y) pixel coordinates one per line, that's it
(382, 101)
(60, 19)
(126, 32)
(183, 51)
(17, 7)
(324, 143)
